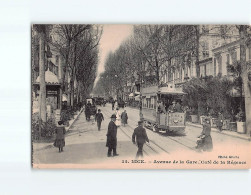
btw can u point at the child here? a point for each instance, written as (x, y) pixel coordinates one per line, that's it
(60, 132)
(99, 117)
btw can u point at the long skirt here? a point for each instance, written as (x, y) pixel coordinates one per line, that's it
(59, 143)
(208, 143)
(118, 122)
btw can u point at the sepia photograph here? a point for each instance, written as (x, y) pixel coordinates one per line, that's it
(152, 96)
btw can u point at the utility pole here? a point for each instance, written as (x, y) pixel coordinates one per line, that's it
(246, 69)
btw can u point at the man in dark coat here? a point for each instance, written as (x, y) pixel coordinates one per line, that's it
(124, 117)
(88, 110)
(99, 118)
(141, 138)
(220, 121)
(111, 142)
(113, 102)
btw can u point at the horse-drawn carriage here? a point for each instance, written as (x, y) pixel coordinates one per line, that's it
(90, 108)
(157, 109)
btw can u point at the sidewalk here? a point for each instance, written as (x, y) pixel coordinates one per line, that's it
(86, 145)
(225, 132)
(46, 145)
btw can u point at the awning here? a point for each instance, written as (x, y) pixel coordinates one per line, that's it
(137, 98)
(172, 91)
(50, 78)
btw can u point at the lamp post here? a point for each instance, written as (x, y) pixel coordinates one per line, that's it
(140, 97)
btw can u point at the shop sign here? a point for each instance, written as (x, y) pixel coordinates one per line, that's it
(51, 92)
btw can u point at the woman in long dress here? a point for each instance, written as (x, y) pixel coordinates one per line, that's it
(118, 117)
(60, 141)
(206, 142)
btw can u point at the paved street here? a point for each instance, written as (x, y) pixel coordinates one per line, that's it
(86, 145)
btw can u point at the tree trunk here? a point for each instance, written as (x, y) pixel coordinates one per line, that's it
(247, 90)
(60, 76)
(197, 51)
(42, 95)
(72, 90)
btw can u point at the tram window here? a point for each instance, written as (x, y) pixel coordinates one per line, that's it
(152, 102)
(148, 102)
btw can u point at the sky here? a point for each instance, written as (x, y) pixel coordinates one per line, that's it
(113, 35)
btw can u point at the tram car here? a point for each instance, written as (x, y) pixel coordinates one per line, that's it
(162, 110)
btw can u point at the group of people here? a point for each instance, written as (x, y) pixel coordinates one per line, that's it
(174, 107)
(121, 117)
(139, 137)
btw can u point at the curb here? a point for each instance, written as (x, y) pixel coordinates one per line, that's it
(68, 128)
(215, 130)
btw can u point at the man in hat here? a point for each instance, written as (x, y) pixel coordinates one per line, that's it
(175, 107)
(99, 118)
(141, 138)
(111, 142)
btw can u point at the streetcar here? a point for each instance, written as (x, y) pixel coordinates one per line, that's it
(157, 104)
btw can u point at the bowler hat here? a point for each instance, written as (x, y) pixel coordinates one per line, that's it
(113, 116)
(140, 122)
(60, 122)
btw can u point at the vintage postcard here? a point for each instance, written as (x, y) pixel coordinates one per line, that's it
(141, 96)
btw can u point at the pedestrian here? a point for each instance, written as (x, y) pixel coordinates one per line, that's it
(113, 104)
(111, 142)
(60, 132)
(141, 138)
(99, 118)
(205, 140)
(124, 117)
(220, 121)
(116, 103)
(118, 117)
(88, 110)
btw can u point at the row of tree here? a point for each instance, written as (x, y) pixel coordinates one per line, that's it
(77, 46)
(154, 49)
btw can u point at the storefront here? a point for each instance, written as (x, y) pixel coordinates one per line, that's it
(52, 90)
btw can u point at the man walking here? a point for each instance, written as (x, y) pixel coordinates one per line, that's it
(111, 142)
(141, 137)
(99, 118)
(113, 102)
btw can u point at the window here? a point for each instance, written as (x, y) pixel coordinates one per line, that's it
(214, 66)
(202, 70)
(148, 102)
(219, 59)
(155, 102)
(234, 57)
(152, 102)
(209, 69)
